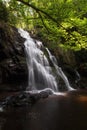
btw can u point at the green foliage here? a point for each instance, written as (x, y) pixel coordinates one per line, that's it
(3, 12)
(57, 22)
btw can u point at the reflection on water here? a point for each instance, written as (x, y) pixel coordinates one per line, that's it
(82, 98)
(62, 112)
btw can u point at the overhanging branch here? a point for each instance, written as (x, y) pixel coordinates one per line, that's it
(43, 23)
(39, 10)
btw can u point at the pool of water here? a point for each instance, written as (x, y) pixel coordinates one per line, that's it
(67, 111)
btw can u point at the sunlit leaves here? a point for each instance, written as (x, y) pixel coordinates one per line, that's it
(68, 27)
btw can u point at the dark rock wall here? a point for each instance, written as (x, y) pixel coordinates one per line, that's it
(13, 68)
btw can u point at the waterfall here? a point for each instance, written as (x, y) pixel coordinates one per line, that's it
(40, 75)
(59, 70)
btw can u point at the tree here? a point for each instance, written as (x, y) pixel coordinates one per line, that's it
(60, 22)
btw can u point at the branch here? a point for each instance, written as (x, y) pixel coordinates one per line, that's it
(39, 10)
(46, 14)
(43, 22)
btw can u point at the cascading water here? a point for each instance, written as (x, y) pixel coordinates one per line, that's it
(39, 71)
(59, 70)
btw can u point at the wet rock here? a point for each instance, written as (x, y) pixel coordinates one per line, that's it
(13, 68)
(83, 69)
(23, 99)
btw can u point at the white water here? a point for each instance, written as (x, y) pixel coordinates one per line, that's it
(1, 109)
(40, 75)
(78, 78)
(59, 70)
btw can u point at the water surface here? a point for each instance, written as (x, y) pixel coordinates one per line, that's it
(63, 112)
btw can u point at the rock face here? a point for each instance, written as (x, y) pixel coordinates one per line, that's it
(13, 68)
